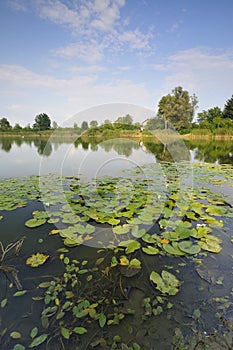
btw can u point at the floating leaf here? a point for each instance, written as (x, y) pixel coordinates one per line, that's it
(37, 259)
(34, 332)
(3, 303)
(44, 285)
(188, 247)
(136, 232)
(65, 332)
(211, 244)
(150, 250)
(166, 283)
(19, 293)
(35, 222)
(124, 261)
(39, 340)
(54, 232)
(165, 241)
(99, 261)
(102, 320)
(18, 347)
(15, 335)
(114, 221)
(80, 330)
(130, 245)
(120, 230)
(173, 249)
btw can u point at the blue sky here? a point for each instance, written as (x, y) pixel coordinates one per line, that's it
(64, 56)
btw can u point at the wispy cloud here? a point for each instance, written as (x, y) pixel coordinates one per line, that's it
(201, 71)
(97, 27)
(63, 97)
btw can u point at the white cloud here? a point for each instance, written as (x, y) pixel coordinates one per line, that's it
(96, 25)
(63, 97)
(136, 39)
(88, 52)
(200, 71)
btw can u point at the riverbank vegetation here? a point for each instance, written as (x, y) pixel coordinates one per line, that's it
(175, 111)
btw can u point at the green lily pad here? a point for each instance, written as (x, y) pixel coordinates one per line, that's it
(167, 283)
(37, 259)
(130, 245)
(121, 229)
(150, 250)
(35, 222)
(211, 244)
(173, 249)
(188, 247)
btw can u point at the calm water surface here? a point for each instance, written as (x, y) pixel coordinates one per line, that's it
(19, 157)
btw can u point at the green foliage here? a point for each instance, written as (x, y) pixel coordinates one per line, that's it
(5, 124)
(209, 115)
(178, 108)
(228, 109)
(17, 128)
(42, 122)
(167, 283)
(127, 119)
(84, 126)
(93, 124)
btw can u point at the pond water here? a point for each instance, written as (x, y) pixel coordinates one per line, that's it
(111, 217)
(22, 156)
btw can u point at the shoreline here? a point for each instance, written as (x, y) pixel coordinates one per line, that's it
(133, 135)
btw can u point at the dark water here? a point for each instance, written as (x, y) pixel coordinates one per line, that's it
(19, 157)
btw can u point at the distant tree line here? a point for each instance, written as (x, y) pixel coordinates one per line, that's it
(42, 122)
(177, 109)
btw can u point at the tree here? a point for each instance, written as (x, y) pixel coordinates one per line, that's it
(27, 127)
(84, 125)
(93, 124)
(178, 108)
(42, 122)
(5, 125)
(209, 115)
(17, 127)
(228, 109)
(127, 119)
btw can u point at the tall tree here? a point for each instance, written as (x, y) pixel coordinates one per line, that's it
(42, 122)
(178, 108)
(5, 124)
(228, 109)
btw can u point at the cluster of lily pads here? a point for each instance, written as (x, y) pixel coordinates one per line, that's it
(171, 209)
(147, 211)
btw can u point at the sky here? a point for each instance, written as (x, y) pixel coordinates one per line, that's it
(61, 57)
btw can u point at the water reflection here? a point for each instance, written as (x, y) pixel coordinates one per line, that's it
(27, 152)
(212, 151)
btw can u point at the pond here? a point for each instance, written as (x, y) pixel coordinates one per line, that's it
(116, 244)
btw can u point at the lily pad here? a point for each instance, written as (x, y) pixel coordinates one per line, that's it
(188, 247)
(167, 283)
(211, 244)
(37, 259)
(35, 222)
(173, 249)
(150, 250)
(130, 245)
